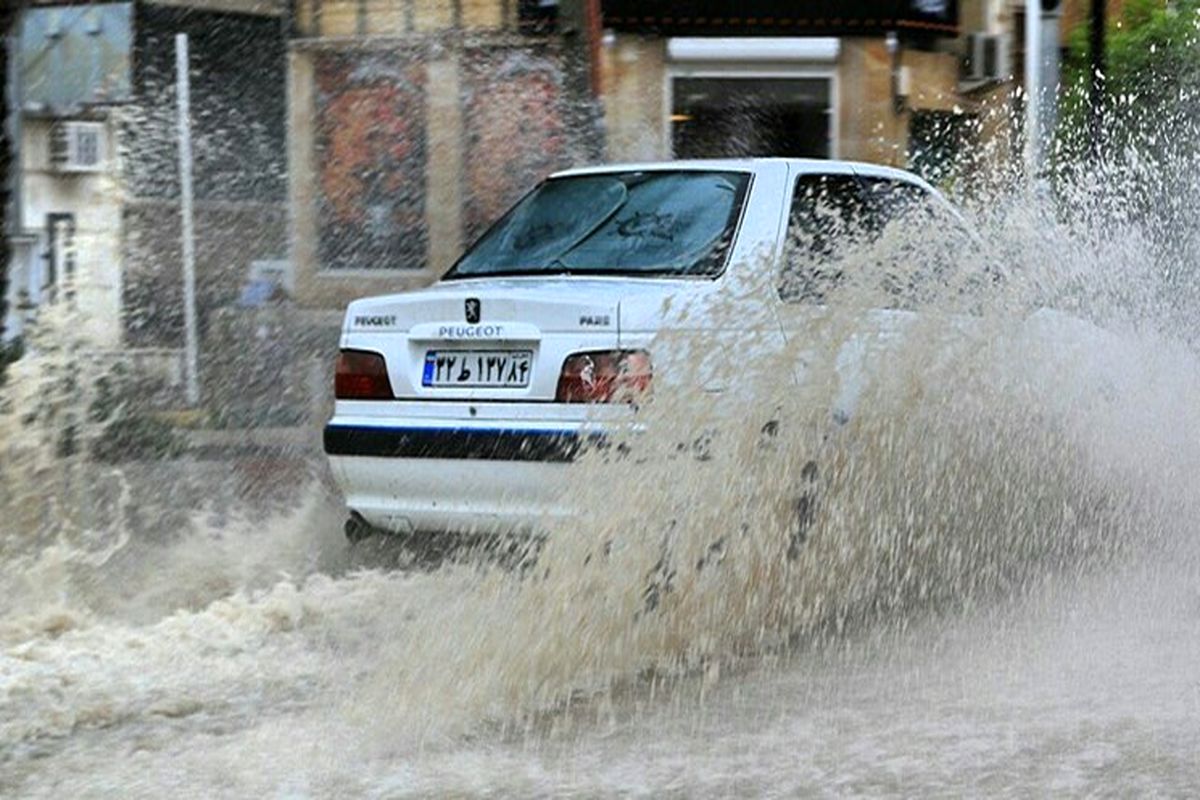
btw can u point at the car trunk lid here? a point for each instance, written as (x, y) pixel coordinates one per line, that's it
(495, 340)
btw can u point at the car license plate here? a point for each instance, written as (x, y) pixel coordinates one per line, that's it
(509, 369)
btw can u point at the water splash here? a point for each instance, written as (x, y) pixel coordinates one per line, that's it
(876, 470)
(988, 442)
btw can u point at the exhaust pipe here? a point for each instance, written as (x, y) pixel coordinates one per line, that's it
(358, 529)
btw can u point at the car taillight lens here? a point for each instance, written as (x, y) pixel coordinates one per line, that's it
(613, 376)
(361, 376)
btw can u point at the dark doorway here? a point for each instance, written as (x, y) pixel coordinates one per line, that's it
(745, 117)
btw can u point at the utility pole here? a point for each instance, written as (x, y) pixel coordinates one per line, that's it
(183, 106)
(1042, 77)
(1051, 71)
(1098, 66)
(1033, 87)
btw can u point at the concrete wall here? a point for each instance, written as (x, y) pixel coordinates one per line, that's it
(871, 130)
(983, 16)
(228, 237)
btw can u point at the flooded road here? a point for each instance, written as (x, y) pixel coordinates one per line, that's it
(1076, 691)
(958, 557)
(930, 528)
(990, 602)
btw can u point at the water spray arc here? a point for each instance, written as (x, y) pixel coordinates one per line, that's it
(937, 529)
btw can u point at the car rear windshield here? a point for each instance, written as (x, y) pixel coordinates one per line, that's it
(625, 223)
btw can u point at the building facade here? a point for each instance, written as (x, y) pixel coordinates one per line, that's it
(351, 147)
(413, 124)
(96, 205)
(872, 81)
(931, 85)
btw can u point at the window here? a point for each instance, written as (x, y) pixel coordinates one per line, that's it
(895, 242)
(893, 199)
(924, 250)
(830, 221)
(628, 223)
(735, 117)
(537, 16)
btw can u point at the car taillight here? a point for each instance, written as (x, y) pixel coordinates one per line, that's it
(613, 376)
(361, 376)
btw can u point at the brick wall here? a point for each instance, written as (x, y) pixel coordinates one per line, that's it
(371, 160)
(403, 151)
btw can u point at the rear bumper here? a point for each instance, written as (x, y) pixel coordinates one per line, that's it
(453, 495)
(486, 477)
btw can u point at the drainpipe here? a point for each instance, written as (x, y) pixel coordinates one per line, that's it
(594, 34)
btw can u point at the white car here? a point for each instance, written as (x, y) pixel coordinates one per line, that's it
(459, 405)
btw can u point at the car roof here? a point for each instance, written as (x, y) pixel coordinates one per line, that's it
(753, 165)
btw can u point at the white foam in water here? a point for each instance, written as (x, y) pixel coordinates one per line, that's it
(995, 592)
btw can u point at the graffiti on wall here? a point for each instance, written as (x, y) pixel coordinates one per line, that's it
(516, 134)
(370, 161)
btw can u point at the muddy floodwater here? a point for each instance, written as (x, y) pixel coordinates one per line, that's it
(937, 535)
(899, 497)
(997, 595)
(1091, 690)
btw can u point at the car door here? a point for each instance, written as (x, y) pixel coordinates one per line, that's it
(830, 220)
(925, 261)
(721, 335)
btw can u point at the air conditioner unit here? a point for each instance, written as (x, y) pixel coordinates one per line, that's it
(77, 146)
(988, 58)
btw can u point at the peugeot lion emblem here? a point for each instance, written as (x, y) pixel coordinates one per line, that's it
(473, 310)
